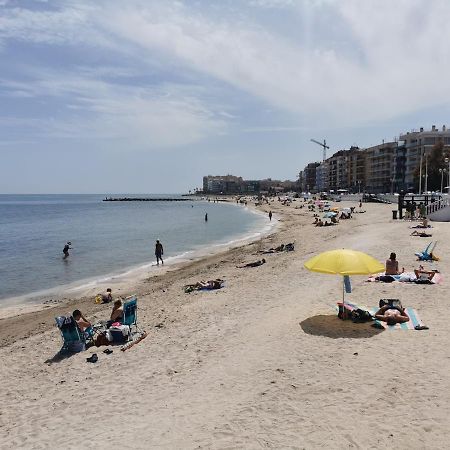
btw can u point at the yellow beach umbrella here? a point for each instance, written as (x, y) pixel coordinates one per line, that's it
(344, 262)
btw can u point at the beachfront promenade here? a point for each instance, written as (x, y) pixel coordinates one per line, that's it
(262, 363)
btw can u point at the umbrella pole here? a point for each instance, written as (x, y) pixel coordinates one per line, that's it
(344, 311)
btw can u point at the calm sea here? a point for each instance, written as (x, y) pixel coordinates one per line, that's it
(108, 238)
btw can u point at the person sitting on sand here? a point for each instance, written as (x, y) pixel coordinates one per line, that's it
(82, 322)
(392, 265)
(106, 298)
(319, 223)
(392, 314)
(260, 262)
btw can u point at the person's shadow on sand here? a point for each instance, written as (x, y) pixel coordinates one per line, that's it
(333, 327)
(58, 357)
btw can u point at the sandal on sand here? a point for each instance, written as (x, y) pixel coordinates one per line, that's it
(108, 351)
(421, 327)
(93, 358)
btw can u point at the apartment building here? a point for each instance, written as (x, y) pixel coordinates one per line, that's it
(322, 177)
(338, 170)
(222, 184)
(414, 147)
(309, 177)
(380, 167)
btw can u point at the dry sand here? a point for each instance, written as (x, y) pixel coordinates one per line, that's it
(261, 363)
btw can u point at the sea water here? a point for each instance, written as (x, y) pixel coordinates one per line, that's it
(107, 237)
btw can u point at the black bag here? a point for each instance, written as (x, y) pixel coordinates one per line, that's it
(360, 316)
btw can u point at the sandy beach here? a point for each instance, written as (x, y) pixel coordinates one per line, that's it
(262, 363)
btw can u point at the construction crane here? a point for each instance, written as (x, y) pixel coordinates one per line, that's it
(324, 145)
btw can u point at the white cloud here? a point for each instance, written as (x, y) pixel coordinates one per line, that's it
(361, 61)
(145, 117)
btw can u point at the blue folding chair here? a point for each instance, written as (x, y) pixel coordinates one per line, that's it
(74, 340)
(130, 313)
(427, 254)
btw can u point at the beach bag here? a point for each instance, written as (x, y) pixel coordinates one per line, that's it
(385, 278)
(394, 302)
(119, 333)
(344, 315)
(360, 316)
(101, 339)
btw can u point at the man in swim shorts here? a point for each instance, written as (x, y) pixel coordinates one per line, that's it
(392, 314)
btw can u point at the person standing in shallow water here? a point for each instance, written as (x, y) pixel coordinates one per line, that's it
(206, 217)
(159, 251)
(66, 249)
(270, 216)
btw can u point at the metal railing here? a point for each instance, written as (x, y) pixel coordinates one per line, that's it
(438, 205)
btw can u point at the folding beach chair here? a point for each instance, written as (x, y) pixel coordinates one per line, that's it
(130, 313)
(427, 254)
(74, 340)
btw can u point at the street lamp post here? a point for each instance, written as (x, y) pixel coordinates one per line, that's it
(420, 172)
(447, 160)
(359, 187)
(442, 171)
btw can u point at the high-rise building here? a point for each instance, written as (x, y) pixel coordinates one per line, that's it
(416, 148)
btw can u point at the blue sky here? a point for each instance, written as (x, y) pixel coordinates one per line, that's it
(149, 96)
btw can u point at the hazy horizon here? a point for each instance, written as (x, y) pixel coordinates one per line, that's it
(150, 96)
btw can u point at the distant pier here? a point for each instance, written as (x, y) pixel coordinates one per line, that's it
(146, 199)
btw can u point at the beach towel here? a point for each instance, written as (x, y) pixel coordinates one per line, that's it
(407, 277)
(412, 324)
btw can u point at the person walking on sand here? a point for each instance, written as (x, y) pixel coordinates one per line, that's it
(159, 251)
(66, 249)
(270, 216)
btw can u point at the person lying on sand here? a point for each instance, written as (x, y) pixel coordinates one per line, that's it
(423, 275)
(260, 262)
(280, 248)
(392, 314)
(423, 224)
(208, 285)
(420, 234)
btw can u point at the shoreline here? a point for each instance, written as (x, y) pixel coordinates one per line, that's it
(23, 316)
(130, 275)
